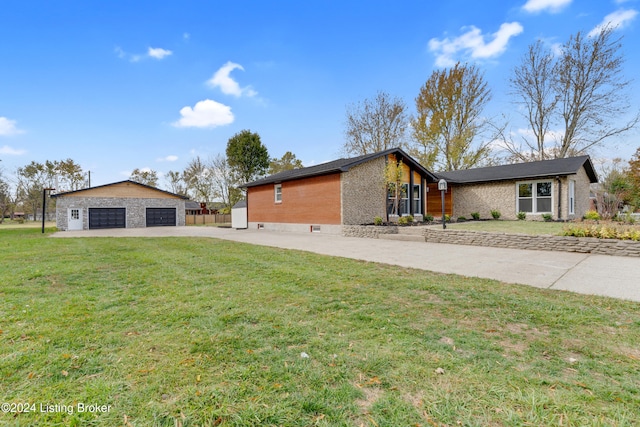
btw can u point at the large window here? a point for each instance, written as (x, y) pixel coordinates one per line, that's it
(417, 205)
(534, 197)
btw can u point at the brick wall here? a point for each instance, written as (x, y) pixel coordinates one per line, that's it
(314, 200)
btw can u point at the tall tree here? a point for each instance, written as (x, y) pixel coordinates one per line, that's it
(248, 158)
(31, 180)
(70, 175)
(145, 176)
(176, 183)
(197, 178)
(582, 91)
(449, 119)
(288, 161)
(532, 83)
(375, 125)
(223, 183)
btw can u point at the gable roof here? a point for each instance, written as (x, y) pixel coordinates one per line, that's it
(530, 170)
(336, 166)
(117, 183)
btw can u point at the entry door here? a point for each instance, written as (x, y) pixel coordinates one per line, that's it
(74, 219)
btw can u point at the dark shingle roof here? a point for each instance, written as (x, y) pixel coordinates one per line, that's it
(531, 170)
(335, 166)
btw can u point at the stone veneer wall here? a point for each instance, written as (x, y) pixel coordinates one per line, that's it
(484, 198)
(136, 215)
(543, 243)
(363, 193)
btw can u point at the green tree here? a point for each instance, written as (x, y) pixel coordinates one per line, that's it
(197, 179)
(287, 162)
(145, 176)
(248, 158)
(393, 176)
(375, 125)
(449, 119)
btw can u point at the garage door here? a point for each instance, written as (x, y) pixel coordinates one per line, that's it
(107, 218)
(159, 217)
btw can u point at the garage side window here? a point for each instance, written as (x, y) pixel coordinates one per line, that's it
(277, 189)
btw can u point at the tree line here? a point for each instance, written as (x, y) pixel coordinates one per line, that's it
(579, 90)
(215, 180)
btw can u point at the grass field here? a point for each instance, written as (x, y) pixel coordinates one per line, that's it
(523, 227)
(201, 332)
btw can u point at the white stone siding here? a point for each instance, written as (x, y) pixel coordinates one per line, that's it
(363, 193)
(136, 215)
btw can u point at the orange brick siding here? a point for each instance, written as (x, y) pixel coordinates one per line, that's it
(313, 200)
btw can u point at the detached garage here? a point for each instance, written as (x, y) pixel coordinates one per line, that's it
(125, 204)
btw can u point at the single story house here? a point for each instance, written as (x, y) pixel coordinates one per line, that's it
(342, 192)
(558, 187)
(124, 204)
(352, 191)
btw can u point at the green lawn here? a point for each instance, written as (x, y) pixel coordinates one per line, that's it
(500, 226)
(201, 332)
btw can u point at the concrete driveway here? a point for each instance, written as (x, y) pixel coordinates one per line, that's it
(617, 277)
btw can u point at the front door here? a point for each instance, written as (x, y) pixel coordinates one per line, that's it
(74, 219)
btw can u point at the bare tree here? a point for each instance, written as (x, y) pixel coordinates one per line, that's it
(449, 119)
(582, 91)
(176, 183)
(197, 178)
(532, 84)
(375, 125)
(145, 176)
(223, 182)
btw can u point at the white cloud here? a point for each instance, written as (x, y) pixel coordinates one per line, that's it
(552, 6)
(227, 85)
(158, 52)
(618, 20)
(473, 44)
(8, 127)
(9, 151)
(205, 114)
(170, 158)
(155, 53)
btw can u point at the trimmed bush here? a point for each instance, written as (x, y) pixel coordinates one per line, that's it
(496, 214)
(475, 215)
(547, 217)
(603, 231)
(428, 218)
(377, 220)
(522, 216)
(592, 216)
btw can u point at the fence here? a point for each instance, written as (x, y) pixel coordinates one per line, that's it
(207, 219)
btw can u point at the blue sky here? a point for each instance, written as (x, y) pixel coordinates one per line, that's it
(117, 85)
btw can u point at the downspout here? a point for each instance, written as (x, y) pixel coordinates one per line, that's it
(559, 198)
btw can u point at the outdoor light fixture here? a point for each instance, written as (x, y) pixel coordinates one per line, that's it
(442, 186)
(44, 204)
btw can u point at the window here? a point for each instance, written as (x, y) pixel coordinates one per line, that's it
(404, 201)
(534, 197)
(278, 193)
(572, 197)
(417, 199)
(75, 213)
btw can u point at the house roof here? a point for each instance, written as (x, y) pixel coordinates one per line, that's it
(336, 166)
(530, 170)
(116, 183)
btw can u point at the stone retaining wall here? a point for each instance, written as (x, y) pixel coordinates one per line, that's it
(542, 243)
(367, 231)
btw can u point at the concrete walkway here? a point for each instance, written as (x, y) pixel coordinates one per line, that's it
(617, 277)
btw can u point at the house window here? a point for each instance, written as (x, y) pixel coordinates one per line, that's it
(404, 201)
(417, 205)
(278, 193)
(534, 197)
(572, 197)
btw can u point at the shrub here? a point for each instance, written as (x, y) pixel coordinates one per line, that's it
(428, 218)
(475, 215)
(592, 216)
(496, 214)
(461, 219)
(522, 216)
(377, 220)
(547, 217)
(602, 231)
(405, 220)
(447, 217)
